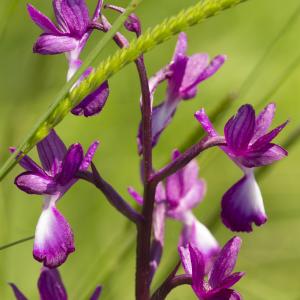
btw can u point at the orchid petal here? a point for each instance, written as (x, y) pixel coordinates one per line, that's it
(42, 21)
(225, 262)
(135, 195)
(97, 293)
(52, 151)
(27, 163)
(51, 286)
(267, 138)
(71, 164)
(54, 44)
(87, 160)
(198, 267)
(239, 129)
(32, 183)
(185, 257)
(93, 103)
(199, 69)
(205, 122)
(181, 46)
(263, 157)
(264, 121)
(53, 238)
(18, 294)
(199, 236)
(243, 205)
(225, 294)
(76, 16)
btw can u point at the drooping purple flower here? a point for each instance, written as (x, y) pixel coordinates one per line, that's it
(53, 237)
(220, 278)
(92, 104)
(51, 287)
(183, 192)
(249, 145)
(183, 76)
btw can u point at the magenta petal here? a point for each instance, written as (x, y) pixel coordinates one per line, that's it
(225, 262)
(225, 294)
(177, 70)
(133, 24)
(199, 236)
(53, 238)
(185, 257)
(32, 183)
(159, 216)
(71, 164)
(267, 138)
(51, 286)
(239, 129)
(54, 44)
(181, 46)
(243, 205)
(206, 124)
(198, 267)
(93, 103)
(97, 293)
(195, 66)
(264, 121)
(42, 21)
(52, 151)
(231, 280)
(260, 158)
(136, 196)
(87, 160)
(27, 163)
(197, 71)
(18, 294)
(75, 15)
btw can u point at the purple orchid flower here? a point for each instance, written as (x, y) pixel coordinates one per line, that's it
(220, 279)
(72, 32)
(183, 75)
(183, 192)
(51, 287)
(53, 237)
(249, 145)
(70, 37)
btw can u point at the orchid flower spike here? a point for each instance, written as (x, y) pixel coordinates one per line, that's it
(51, 287)
(220, 279)
(183, 76)
(53, 236)
(249, 145)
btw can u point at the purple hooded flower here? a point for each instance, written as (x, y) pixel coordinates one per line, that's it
(51, 287)
(74, 29)
(249, 145)
(53, 237)
(72, 32)
(220, 278)
(183, 192)
(183, 76)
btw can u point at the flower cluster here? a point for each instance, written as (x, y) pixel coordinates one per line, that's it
(172, 192)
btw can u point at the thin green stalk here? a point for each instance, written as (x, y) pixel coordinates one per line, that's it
(21, 241)
(66, 100)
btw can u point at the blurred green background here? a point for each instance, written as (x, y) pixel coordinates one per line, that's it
(105, 250)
